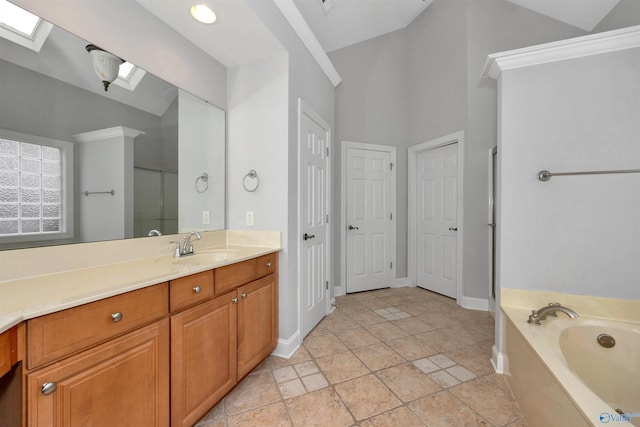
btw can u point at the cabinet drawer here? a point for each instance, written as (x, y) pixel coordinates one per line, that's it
(266, 265)
(231, 276)
(58, 334)
(190, 290)
(8, 350)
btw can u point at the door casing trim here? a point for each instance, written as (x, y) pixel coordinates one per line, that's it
(452, 138)
(343, 207)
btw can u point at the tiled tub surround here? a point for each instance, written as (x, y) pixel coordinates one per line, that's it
(393, 357)
(542, 381)
(39, 281)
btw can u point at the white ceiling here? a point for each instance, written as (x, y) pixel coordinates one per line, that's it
(351, 21)
(237, 37)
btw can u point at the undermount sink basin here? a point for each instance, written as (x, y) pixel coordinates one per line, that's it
(203, 258)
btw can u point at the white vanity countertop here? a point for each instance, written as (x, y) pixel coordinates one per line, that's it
(26, 298)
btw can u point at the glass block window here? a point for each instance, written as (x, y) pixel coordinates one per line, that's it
(32, 199)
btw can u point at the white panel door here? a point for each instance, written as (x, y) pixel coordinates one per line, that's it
(368, 219)
(314, 142)
(437, 222)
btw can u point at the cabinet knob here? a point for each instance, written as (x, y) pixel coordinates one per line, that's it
(116, 317)
(244, 295)
(234, 300)
(48, 388)
(269, 264)
(197, 289)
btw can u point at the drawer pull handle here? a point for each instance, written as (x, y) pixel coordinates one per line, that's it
(116, 317)
(234, 300)
(197, 289)
(244, 295)
(269, 264)
(48, 388)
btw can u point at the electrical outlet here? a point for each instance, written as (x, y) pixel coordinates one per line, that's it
(249, 218)
(206, 217)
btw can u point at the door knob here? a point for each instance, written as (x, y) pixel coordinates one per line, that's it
(308, 236)
(197, 289)
(116, 317)
(351, 227)
(48, 388)
(453, 229)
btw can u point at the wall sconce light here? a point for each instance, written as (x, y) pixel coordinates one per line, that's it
(105, 64)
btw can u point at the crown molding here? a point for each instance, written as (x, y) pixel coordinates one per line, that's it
(593, 44)
(102, 134)
(296, 20)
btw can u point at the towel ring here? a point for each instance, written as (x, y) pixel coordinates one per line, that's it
(252, 174)
(204, 178)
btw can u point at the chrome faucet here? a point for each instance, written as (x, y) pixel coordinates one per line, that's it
(550, 310)
(187, 245)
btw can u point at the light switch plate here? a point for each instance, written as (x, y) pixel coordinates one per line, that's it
(249, 218)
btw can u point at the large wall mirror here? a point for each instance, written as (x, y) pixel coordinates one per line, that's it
(145, 155)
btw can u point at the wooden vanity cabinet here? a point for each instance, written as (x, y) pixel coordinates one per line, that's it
(8, 350)
(98, 364)
(257, 322)
(123, 382)
(203, 358)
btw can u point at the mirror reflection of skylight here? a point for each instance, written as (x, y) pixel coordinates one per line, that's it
(22, 27)
(17, 19)
(125, 70)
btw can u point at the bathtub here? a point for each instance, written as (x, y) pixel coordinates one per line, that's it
(560, 375)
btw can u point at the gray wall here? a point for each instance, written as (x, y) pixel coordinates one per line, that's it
(625, 14)
(440, 91)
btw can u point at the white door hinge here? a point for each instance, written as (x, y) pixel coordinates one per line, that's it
(327, 219)
(327, 284)
(391, 265)
(327, 151)
(391, 216)
(390, 166)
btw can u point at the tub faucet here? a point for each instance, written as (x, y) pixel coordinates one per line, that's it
(537, 315)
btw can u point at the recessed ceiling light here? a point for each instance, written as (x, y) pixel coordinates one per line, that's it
(203, 13)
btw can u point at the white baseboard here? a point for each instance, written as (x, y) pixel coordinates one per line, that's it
(475, 303)
(402, 282)
(286, 348)
(499, 361)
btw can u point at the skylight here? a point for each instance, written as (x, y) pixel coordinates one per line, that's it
(17, 19)
(129, 76)
(22, 27)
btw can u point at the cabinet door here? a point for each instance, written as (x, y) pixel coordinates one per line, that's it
(123, 382)
(203, 358)
(257, 322)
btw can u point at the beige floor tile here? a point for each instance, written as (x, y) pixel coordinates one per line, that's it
(367, 318)
(254, 391)
(408, 382)
(285, 374)
(341, 367)
(444, 379)
(375, 304)
(413, 325)
(473, 358)
(274, 415)
(493, 403)
(378, 356)
(315, 382)
(338, 321)
(466, 334)
(291, 388)
(274, 362)
(426, 365)
(442, 361)
(440, 340)
(386, 331)
(358, 337)
(306, 368)
(367, 396)
(212, 423)
(321, 408)
(461, 373)
(437, 319)
(518, 423)
(323, 345)
(411, 348)
(445, 410)
(215, 414)
(400, 417)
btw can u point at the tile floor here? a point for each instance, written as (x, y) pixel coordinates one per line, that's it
(392, 357)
